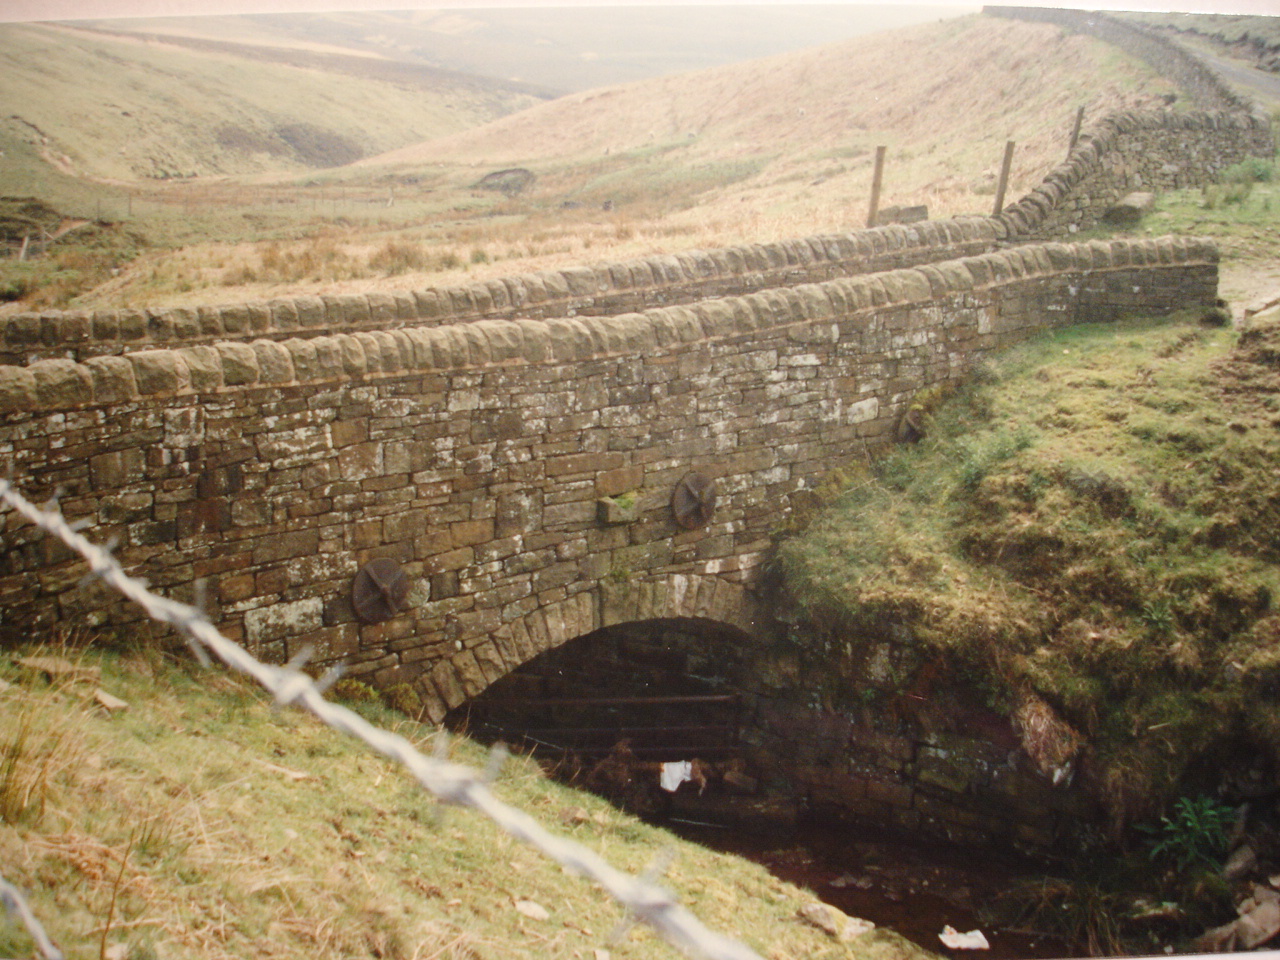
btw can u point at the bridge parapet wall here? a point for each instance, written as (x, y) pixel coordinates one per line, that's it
(1154, 151)
(602, 290)
(475, 455)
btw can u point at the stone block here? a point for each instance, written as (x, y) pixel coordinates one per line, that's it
(306, 364)
(371, 350)
(489, 658)
(283, 620)
(382, 308)
(61, 383)
(116, 469)
(274, 362)
(389, 350)
(289, 545)
(159, 371)
(239, 363)
(133, 324)
(471, 675)
(73, 327)
(351, 351)
(204, 366)
(467, 533)
(618, 480)
(448, 684)
(105, 325)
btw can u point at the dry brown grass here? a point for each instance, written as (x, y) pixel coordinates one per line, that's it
(200, 823)
(751, 152)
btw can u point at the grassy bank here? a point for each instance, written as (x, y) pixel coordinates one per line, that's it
(1094, 519)
(198, 822)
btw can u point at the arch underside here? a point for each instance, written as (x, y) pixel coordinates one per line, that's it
(468, 672)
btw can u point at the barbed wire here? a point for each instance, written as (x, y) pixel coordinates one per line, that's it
(452, 783)
(16, 904)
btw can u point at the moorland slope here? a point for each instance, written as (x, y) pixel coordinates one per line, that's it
(762, 150)
(137, 108)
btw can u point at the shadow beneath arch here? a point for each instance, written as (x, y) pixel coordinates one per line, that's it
(612, 709)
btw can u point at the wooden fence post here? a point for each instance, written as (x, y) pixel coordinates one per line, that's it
(1004, 177)
(876, 179)
(1075, 129)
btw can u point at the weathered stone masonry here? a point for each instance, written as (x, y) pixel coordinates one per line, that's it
(271, 449)
(474, 455)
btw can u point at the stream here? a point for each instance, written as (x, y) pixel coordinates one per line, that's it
(912, 886)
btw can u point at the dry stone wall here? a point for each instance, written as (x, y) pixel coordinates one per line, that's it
(604, 290)
(1197, 81)
(1152, 152)
(1156, 151)
(475, 454)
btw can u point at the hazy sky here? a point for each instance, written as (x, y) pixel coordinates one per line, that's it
(93, 9)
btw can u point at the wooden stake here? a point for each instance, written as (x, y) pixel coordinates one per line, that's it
(1075, 130)
(1004, 177)
(876, 179)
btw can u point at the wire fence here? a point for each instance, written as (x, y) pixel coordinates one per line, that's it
(640, 897)
(17, 906)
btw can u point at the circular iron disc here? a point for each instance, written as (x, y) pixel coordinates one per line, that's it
(694, 501)
(379, 590)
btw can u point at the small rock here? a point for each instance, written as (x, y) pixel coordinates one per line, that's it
(534, 911)
(1239, 863)
(833, 922)
(60, 668)
(108, 702)
(1259, 925)
(955, 940)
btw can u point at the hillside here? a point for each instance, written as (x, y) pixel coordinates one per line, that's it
(192, 819)
(563, 49)
(767, 149)
(800, 127)
(112, 107)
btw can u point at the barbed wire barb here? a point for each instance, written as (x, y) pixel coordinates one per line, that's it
(659, 865)
(331, 676)
(498, 755)
(451, 782)
(17, 906)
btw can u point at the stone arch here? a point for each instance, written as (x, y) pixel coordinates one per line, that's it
(467, 673)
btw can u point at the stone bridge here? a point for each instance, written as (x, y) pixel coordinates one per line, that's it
(437, 486)
(522, 481)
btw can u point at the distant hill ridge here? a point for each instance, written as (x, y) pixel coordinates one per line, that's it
(406, 72)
